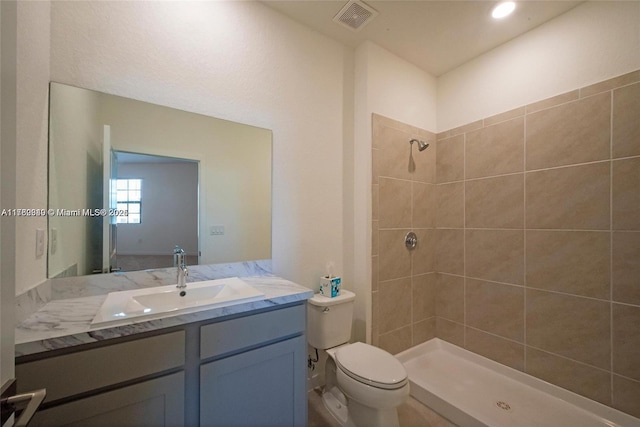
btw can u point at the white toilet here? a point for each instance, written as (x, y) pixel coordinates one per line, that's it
(364, 385)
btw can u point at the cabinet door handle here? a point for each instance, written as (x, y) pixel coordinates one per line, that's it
(27, 402)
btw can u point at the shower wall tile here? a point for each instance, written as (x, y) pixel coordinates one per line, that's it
(580, 378)
(423, 168)
(396, 341)
(553, 101)
(423, 330)
(375, 237)
(375, 166)
(450, 297)
(450, 205)
(395, 259)
(461, 129)
(424, 291)
(626, 340)
(450, 251)
(423, 256)
(626, 267)
(394, 304)
(393, 154)
(576, 132)
(626, 395)
(626, 124)
(495, 150)
(616, 82)
(374, 273)
(495, 202)
(495, 348)
(574, 262)
(375, 197)
(626, 194)
(574, 327)
(495, 308)
(502, 117)
(575, 197)
(424, 203)
(380, 123)
(395, 209)
(375, 309)
(495, 255)
(404, 199)
(551, 267)
(450, 159)
(450, 331)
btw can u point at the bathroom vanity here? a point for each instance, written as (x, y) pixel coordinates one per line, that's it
(238, 365)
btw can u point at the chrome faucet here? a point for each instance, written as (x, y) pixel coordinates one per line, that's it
(179, 260)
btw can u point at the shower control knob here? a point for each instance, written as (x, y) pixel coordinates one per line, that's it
(411, 240)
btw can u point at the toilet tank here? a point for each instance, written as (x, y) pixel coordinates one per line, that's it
(329, 319)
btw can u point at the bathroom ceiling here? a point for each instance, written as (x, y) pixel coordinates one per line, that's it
(437, 36)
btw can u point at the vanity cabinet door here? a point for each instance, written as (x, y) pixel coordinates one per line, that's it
(262, 387)
(153, 403)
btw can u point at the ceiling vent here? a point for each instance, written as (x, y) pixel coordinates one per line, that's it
(355, 15)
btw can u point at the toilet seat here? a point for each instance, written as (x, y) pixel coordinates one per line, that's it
(371, 365)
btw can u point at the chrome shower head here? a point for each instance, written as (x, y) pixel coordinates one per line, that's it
(421, 144)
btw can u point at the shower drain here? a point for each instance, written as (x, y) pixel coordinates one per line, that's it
(503, 405)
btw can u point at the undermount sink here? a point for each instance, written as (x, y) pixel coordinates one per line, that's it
(137, 303)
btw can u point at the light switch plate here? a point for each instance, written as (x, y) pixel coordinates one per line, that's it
(54, 240)
(216, 230)
(39, 242)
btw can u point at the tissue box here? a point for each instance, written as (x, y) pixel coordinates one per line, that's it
(330, 286)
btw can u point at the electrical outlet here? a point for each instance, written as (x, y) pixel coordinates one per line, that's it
(39, 242)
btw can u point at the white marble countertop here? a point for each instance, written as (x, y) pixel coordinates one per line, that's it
(64, 323)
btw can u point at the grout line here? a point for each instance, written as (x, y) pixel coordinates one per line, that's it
(611, 243)
(607, 300)
(621, 158)
(497, 336)
(568, 358)
(464, 240)
(571, 165)
(524, 219)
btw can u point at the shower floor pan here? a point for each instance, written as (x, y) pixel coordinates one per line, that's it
(471, 390)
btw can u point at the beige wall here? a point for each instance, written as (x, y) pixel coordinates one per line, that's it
(537, 243)
(235, 169)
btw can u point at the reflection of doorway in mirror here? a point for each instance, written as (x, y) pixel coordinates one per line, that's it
(166, 197)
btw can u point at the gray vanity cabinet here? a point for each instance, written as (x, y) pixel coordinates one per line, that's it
(247, 370)
(260, 380)
(133, 383)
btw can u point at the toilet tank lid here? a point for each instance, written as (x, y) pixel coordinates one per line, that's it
(322, 301)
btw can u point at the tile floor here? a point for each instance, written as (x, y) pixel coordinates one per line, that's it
(410, 414)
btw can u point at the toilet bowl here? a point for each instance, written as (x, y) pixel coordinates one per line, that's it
(364, 384)
(374, 382)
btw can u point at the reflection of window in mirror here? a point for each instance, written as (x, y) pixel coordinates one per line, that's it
(129, 197)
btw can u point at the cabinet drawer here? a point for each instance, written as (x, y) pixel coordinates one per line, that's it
(153, 403)
(82, 371)
(231, 335)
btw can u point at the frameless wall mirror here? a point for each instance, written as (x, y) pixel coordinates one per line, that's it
(129, 180)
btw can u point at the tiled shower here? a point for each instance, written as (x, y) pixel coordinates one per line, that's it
(528, 225)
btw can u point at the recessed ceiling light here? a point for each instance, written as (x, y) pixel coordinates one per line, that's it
(503, 9)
